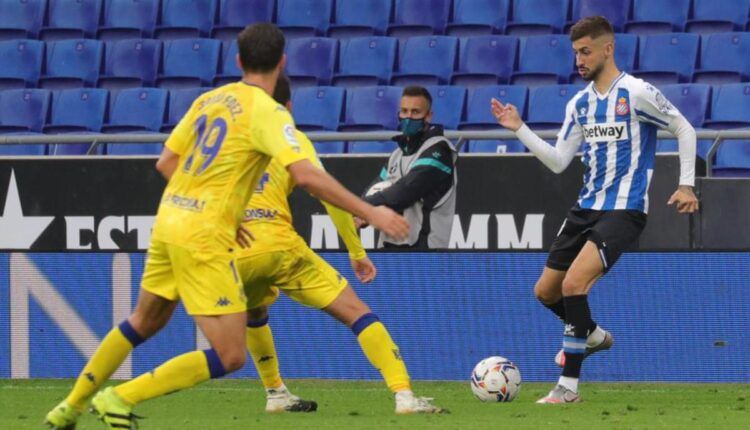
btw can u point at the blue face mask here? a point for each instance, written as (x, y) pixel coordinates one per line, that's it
(410, 126)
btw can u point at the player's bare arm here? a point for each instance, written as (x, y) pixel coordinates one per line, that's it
(323, 186)
(167, 162)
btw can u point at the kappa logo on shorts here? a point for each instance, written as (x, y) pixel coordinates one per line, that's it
(223, 302)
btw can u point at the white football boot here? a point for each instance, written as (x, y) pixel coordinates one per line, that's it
(408, 403)
(281, 400)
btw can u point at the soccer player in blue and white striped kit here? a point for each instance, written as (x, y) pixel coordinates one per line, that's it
(614, 122)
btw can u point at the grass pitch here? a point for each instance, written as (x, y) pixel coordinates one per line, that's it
(238, 404)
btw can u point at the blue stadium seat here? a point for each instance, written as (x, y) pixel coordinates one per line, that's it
(311, 60)
(186, 19)
(478, 115)
(189, 63)
(229, 71)
(128, 19)
(496, 146)
(447, 105)
(692, 100)
(304, 18)
(371, 108)
(626, 52)
(547, 105)
(533, 17)
(21, 19)
(733, 159)
(180, 101)
(21, 63)
(426, 60)
(22, 150)
(366, 61)
(372, 147)
(23, 110)
(718, 16)
(617, 12)
(478, 17)
(137, 109)
(77, 110)
(234, 15)
(134, 148)
(667, 58)
(130, 63)
(724, 59)
(72, 63)
(80, 110)
(658, 16)
(361, 18)
(419, 18)
(486, 60)
(730, 106)
(72, 19)
(330, 147)
(544, 60)
(317, 108)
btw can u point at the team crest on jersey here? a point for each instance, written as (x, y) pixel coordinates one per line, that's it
(583, 110)
(622, 107)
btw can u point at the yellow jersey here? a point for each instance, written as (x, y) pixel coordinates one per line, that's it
(224, 142)
(269, 217)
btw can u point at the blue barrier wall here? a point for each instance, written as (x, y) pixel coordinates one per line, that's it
(675, 317)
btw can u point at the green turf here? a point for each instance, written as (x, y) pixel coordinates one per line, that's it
(238, 404)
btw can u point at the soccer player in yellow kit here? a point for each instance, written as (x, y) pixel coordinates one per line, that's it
(279, 259)
(213, 159)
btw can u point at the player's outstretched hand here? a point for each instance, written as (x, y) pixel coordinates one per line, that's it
(686, 200)
(364, 269)
(506, 115)
(244, 237)
(389, 222)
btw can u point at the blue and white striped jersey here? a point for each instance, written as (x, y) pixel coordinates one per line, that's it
(616, 133)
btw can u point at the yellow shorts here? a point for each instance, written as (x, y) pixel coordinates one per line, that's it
(206, 285)
(299, 272)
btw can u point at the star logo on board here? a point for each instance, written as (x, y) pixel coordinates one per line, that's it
(16, 230)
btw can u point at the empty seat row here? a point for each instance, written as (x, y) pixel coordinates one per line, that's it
(425, 60)
(334, 108)
(84, 110)
(120, 64)
(531, 61)
(169, 19)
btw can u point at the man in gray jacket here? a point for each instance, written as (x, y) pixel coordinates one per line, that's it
(420, 178)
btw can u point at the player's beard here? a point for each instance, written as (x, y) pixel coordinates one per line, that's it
(593, 73)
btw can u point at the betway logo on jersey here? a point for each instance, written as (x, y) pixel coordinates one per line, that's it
(606, 132)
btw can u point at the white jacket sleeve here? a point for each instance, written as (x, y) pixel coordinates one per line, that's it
(557, 158)
(651, 106)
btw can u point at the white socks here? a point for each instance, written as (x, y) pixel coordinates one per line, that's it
(595, 337)
(569, 383)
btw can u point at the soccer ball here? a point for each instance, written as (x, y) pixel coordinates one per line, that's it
(496, 379)
(376, 188)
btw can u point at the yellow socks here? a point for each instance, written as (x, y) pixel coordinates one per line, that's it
(260, 344)
(183, 371)
(382, 351)
(112, 351)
